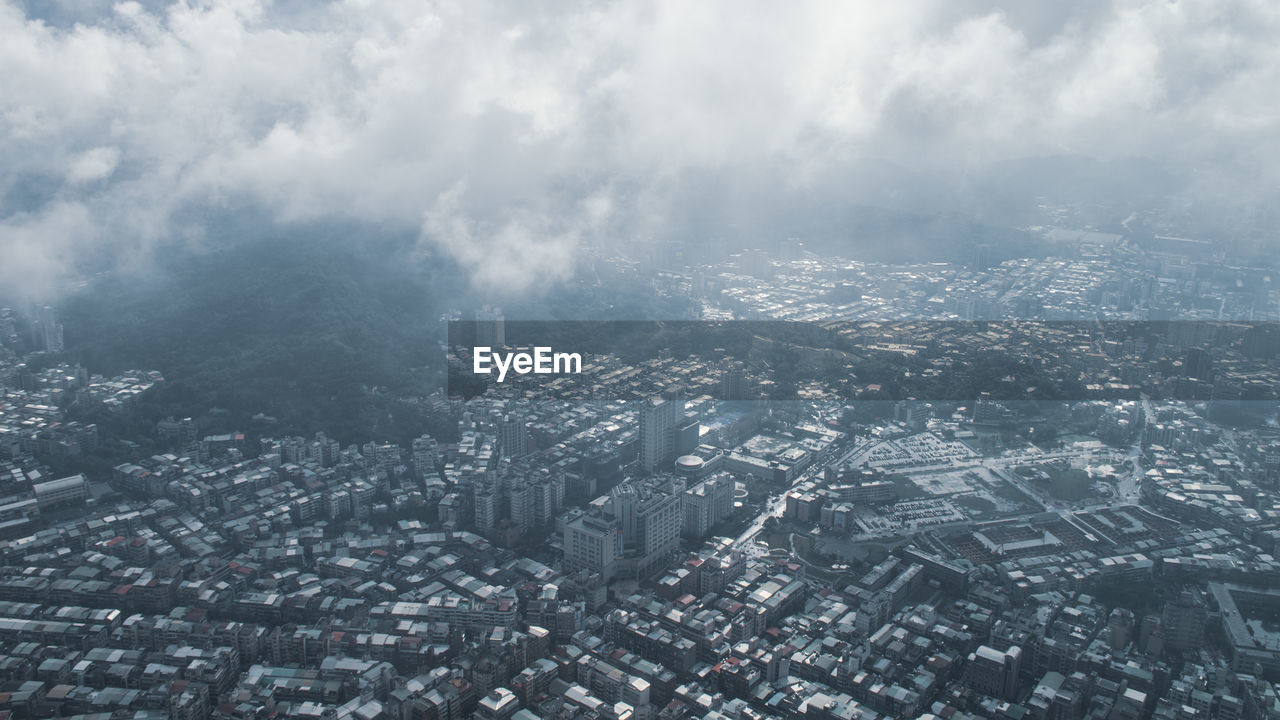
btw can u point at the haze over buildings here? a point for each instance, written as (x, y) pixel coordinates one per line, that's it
(930, 361)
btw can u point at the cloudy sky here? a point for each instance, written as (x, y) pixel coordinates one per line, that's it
(520, 130)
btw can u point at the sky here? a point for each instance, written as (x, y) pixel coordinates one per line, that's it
(506, 136)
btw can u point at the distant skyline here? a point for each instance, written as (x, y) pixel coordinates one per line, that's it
(519, 131)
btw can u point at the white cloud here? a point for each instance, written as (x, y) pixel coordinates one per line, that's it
(95, 164)
(501, 129)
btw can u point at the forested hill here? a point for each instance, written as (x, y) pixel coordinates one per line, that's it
(305, 327)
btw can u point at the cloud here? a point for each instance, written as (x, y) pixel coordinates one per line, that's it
(506, 251)
(495, 128)
(95, 164)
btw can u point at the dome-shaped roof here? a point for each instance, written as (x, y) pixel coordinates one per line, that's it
(689, 462)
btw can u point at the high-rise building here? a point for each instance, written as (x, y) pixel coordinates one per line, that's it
(1183, 621)
(548, 497)
(323, 451)
(426, 453)
(534, 498)
(486, 505)
(994, 672)
(650, 517)
(593, 543)
(707, 504)
(521, 500)
(733, 381)
(1120, 624)
(383, 456)
(659, 417)
(688, 434)
(633, 531)
(513, 435)
(1151, 636)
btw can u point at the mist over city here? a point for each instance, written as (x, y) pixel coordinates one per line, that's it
(514, 138)
(373, 360)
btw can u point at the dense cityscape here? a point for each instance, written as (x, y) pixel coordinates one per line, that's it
(787, 532)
